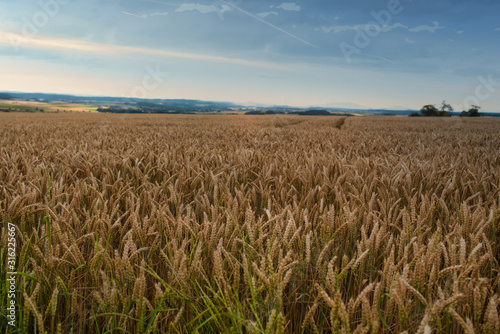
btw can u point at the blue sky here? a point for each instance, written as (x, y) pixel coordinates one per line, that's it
(378, 54)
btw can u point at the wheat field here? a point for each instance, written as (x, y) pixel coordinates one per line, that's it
(251, 224)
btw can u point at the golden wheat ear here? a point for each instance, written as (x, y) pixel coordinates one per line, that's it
(259, 224)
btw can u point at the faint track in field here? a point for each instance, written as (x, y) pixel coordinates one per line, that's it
(340, 123)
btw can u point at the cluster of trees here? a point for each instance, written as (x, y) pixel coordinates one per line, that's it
(472, 112)
(263, 112)
(120, 110)
(315, 113)
(312, 112)
(445, 111)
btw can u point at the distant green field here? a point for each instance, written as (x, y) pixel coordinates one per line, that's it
(32, 106)
(17, 107)
(74, 106)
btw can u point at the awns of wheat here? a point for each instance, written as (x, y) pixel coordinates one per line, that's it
(276, 224)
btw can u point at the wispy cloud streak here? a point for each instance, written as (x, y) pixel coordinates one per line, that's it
(384, 28)
(139, 16)
(267, 23)
(379, 57)
(72, 45)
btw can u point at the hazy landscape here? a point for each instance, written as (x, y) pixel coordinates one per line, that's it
(56, 103)
(29, 102)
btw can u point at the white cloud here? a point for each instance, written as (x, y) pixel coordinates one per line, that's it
(204, 9)
(497, 29)
(337, 29)
(460, 32)
(427, 28)
(145, 16)
(336, 18)
(292, 6)
(384, 28)
(159, 14)
(265, 14)
(409, 41)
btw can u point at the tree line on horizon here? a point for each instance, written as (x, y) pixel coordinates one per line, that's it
(430, 110)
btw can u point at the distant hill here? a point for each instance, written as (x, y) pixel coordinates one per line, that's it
(343, 105)
(136, 105)
(5, 96)
(139, 105)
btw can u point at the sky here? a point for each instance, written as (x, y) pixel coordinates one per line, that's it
(336, 53)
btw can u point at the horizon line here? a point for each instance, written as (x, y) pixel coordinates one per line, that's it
(247, 104)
